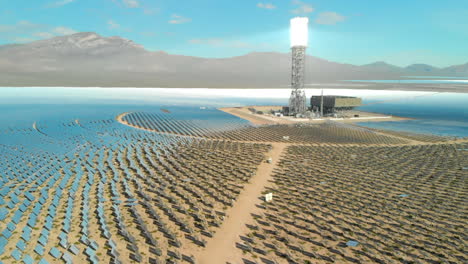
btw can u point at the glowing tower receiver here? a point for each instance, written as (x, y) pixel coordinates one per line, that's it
(299, 31)
(299, 39)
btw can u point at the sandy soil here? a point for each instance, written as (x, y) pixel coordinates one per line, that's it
(267, 119)
(244, 113)
(222, 247)
(343, 200)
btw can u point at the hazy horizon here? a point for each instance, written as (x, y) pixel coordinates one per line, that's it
(399, 33)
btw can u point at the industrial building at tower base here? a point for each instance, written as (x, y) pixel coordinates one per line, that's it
(330, 104)
(325, 105)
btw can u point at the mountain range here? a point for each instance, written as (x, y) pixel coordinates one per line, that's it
(88, 59)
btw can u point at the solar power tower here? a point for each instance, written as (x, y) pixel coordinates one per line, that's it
(299, 39)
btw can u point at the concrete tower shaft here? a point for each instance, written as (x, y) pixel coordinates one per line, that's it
(299, 42)
(298, 100)
(298, 67)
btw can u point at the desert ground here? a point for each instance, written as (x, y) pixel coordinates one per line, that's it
(157, 189)
(269, 119)
(335, 184)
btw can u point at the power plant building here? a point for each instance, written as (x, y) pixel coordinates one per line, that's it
(334, 103)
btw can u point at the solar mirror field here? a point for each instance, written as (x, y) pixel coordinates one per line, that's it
(188, 185)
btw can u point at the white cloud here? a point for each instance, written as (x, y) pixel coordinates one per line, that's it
(22, 39)
(177, 19)
(25, 23)
(64, 31)
(57, 31)
(302, 8)
(43, 35)
(112, 24)
(329, 18)
(131, 3)
(146, 8)
(22, 26)
(62, 3)
(26, 31)
(266, 6)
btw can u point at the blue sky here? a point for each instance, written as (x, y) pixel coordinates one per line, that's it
(400, 32)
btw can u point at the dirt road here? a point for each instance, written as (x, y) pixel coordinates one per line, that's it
(222, 247)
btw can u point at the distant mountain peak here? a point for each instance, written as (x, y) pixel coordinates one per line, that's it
(85, 34)
(88, 37)
(90, 59)
(420, 67)
(84, 42)
(379, 63)
(381, 66)
(91, 39)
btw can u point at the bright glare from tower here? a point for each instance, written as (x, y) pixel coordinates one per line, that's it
(299, 31)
